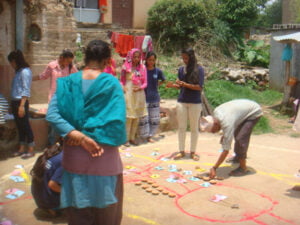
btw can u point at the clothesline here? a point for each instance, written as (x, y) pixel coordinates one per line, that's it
(123, 43)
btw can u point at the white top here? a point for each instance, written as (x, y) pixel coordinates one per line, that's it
(231, 114)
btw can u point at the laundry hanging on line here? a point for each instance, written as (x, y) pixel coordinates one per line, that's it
(123, 43)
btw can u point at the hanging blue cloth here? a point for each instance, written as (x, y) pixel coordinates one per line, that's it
(287, 53)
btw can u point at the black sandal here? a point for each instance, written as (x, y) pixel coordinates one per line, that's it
(239, 172)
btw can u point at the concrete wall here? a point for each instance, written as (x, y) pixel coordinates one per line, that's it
(277, 66)
(108, 15)
(140, 12)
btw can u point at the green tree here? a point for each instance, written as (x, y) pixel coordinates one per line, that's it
(295, 10)
(271, 14)
(177, 23)
(240, 14)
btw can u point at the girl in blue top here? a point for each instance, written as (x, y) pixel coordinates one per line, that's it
(190, 82)
(20, 92)
(149, 124)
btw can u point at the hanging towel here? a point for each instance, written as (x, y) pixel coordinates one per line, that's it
(124, 44)
(287, 53)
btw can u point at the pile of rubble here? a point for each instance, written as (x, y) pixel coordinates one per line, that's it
(245, 74)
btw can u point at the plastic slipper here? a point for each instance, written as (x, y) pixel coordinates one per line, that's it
(179, 155)
(16, 154)
(27, 155)
(232, 160)
(238, 172)
(195, 156)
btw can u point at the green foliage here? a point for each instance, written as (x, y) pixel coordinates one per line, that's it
(271, 14)
(254, 53)
(263, 126)
(221, 91)
(168, 93)
(175, 24)
(239, 14)
(295, 9)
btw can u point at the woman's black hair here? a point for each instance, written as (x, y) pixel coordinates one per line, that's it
(97, 50)
(192, 71)
(18, 57)
(38, 170)
(67, 53)
(148, 55)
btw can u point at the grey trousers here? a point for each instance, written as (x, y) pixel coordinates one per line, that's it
(242, 138)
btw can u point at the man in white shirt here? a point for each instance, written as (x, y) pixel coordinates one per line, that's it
(236, 118)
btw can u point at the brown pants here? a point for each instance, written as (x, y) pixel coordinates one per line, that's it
(242, 138)
(111, 215)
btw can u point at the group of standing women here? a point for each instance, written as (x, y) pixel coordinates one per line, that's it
(95, 113)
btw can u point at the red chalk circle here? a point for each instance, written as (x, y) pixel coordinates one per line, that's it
(251, 204)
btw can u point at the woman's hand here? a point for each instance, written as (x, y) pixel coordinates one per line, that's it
(92, 147)
(136, 89)
(76, 138)
(170, 84)
(181, 83)
(21, 111)
(124, 89)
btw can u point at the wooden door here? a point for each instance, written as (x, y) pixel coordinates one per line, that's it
(122, 13)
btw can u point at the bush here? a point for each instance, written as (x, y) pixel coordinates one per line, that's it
(168, 93)
(254, 53)
(174, 24)
(220, 91)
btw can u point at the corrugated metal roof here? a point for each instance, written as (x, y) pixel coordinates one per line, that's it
(294, 37)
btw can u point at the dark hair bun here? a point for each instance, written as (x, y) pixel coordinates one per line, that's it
(97, 50)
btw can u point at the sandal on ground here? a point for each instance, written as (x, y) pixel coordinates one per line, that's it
(238, 172)
(195, 156)
(232, 160)
(27, 155)
(150, 140)
(127, 144)
(133, 142)
(179, 155)
(16, 154)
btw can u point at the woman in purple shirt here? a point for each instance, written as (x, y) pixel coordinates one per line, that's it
(190, 82)
(20, 92)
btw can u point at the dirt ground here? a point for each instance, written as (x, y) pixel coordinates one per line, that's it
(264, 197)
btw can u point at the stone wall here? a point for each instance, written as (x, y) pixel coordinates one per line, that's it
(7, 43)
(57, 32)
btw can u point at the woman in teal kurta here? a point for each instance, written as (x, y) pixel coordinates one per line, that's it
(88, 110)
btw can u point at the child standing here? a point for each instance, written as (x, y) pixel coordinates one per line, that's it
(20, 92)
(61, 67)
(134, 81)
(190, 82)
(149, 124)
